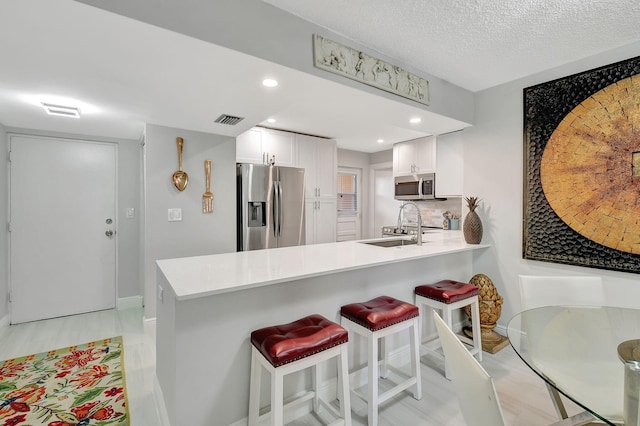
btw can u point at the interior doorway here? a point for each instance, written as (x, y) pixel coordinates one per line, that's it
(349, 190)
(384, 208)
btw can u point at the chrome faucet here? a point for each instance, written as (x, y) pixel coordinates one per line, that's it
(419, 235)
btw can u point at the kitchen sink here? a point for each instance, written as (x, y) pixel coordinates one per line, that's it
(391, 243)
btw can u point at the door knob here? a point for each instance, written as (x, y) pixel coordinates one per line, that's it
(109, 233)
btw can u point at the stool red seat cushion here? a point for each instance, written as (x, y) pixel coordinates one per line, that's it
(447, 291)
(281, 344)
(380, 312)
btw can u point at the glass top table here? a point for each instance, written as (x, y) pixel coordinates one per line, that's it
(575, 350)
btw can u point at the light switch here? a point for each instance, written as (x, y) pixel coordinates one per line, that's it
(130, 213)
(160, 294)
(175, 215)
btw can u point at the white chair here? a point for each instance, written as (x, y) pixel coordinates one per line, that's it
(537, 291)
(473, 385)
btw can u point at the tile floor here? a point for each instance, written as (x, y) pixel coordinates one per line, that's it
(523, 396)
(139, 350)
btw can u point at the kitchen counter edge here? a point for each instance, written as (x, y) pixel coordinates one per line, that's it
(201, 276)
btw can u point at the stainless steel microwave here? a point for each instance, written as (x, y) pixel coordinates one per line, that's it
(415, 187)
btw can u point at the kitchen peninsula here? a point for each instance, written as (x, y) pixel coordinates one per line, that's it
(208, 306)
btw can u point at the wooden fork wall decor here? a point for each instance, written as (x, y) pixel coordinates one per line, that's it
(207, 197)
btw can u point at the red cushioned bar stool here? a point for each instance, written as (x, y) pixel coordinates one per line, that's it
(448, 296)
(375, 320)
(288, 348)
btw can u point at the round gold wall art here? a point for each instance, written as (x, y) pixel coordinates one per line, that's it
(590, 167)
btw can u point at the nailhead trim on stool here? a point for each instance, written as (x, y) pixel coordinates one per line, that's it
(287, 348)
(375, 320)
(448, 296)
(447, 291)
(281, 344)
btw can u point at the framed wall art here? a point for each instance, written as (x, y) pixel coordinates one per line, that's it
(357, 65)
(582, 169)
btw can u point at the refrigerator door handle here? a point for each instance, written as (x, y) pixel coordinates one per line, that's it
(276, 209)
(280, 209)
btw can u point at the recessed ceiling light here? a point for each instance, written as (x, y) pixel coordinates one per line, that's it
(269, 82)
(271, 120)
(415, 120)
(61, 110)
(380, 140)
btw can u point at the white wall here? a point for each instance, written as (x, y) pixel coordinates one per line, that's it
(129, 229)
(197, 233)
(4, 238)
(494, 172)
(381, 156)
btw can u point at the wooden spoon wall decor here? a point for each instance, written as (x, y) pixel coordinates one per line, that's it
(180, 178)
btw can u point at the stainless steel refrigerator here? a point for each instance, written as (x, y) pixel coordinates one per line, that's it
(270, 206)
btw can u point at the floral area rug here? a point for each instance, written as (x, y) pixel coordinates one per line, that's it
(77, 386)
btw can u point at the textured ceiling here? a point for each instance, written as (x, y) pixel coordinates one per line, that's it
(477, 44)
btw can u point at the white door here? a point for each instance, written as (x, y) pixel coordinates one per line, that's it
(62, 208)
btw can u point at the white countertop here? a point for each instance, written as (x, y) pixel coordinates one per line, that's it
(199, 276)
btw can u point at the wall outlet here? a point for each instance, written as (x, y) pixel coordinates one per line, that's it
(175, 215)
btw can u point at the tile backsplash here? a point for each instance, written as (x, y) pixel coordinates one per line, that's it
(431, 211)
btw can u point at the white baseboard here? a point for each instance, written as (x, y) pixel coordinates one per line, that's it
(4, 321)
(128, 302)
(501, 329)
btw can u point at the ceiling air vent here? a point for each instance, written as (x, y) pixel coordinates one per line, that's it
(229, 119)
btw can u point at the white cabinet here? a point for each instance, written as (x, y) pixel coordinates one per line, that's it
(450, 165)
(318, 157)
(414, 156)
(259, 145)
(279, 145)
(320, 218)
(443, 155)
(249, 147)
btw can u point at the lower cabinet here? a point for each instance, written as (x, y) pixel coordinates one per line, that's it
(320, 218)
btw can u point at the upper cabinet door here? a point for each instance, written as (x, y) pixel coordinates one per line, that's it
(279, 146)
(426, 155)
(404, 158)
(259, 146)
(307, 161)
(318, 158)
(249, 147)
(414, 156)
(326, 171)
